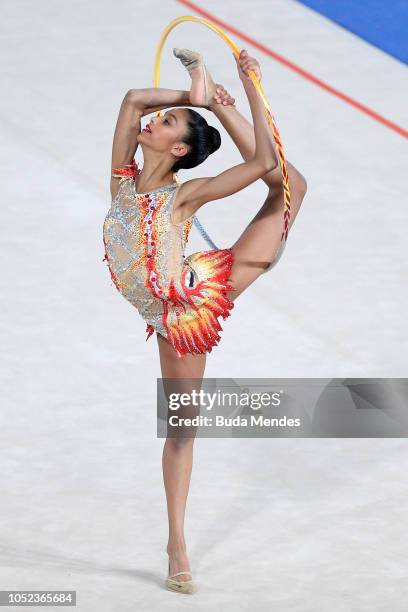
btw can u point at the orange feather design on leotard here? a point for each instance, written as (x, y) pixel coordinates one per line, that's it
(127, 170)
(192, 325)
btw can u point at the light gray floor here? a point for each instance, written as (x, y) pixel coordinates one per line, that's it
(294, 525)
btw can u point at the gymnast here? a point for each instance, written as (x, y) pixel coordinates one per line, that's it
(147, 227)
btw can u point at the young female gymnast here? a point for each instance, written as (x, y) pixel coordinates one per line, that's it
(146, 231)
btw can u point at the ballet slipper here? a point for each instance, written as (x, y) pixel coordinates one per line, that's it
(191, 60)
(180, 586)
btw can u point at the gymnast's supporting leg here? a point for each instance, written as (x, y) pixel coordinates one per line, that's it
(178, 452)
(257, 247)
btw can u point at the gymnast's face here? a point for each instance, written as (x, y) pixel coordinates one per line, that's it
(166, 133)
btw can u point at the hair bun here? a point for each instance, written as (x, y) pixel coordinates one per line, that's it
(214, 138)
(201, 139)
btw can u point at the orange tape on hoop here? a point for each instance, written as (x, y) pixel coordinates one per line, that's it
(256, 82)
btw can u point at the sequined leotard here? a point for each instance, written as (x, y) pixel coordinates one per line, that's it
(179, 297)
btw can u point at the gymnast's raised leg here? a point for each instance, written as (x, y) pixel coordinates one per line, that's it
(257, 247)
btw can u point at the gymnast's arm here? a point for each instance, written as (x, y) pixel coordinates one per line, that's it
(242, 133)
(152, 99)
(196, 192)
(125, 138)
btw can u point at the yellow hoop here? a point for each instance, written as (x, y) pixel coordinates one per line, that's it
(254, 79)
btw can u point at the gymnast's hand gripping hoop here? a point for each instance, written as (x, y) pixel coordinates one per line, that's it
(271, 121)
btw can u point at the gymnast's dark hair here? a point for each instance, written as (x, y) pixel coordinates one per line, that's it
(202, 138)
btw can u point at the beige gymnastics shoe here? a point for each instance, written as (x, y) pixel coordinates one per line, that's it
(181, 586)
(191, 60)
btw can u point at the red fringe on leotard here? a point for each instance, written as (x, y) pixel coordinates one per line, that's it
(128, 170)
(193, 326)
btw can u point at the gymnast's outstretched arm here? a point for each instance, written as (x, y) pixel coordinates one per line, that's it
(151, 99)
(242, 133)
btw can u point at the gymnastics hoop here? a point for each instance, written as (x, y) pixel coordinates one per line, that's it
(271, 122)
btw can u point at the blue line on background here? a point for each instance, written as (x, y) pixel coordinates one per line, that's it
(381, 23)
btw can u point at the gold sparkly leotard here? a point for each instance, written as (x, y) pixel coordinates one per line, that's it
(179, 297)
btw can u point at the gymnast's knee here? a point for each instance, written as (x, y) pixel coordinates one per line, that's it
(180, 442)
(277, 257)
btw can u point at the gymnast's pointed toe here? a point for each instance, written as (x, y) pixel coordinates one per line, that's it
(189, 59)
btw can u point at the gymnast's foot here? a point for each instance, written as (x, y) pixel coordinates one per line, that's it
(202, 86)
(178, 561)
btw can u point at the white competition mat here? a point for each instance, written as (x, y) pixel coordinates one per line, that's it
(300, 525)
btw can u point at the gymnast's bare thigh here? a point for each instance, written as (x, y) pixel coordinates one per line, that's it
(259, 245)
(172, 366)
